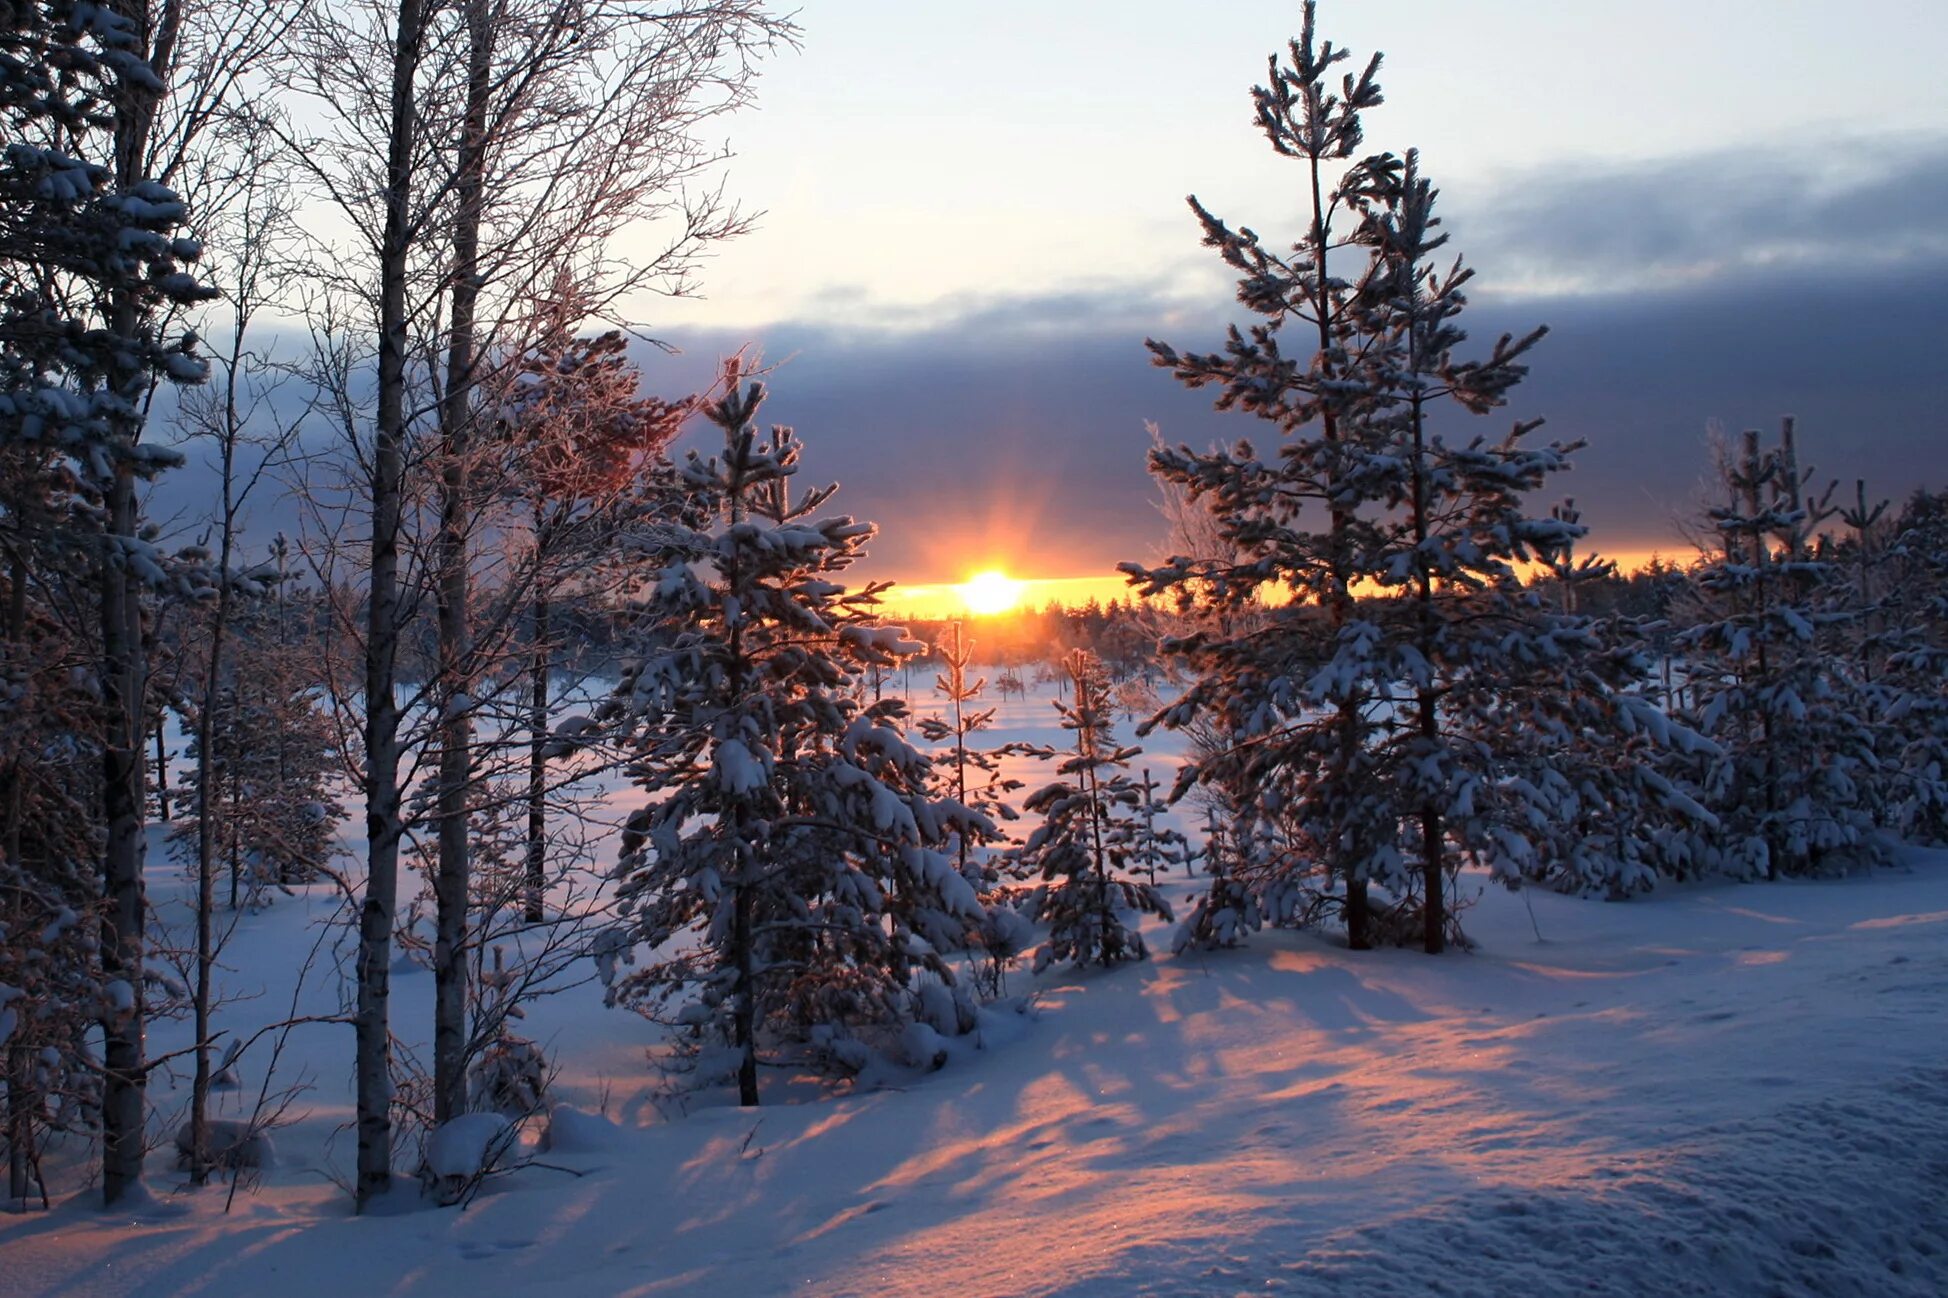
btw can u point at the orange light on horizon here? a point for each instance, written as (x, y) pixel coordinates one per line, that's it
(988, 593)
(993, 592)
(948, 601)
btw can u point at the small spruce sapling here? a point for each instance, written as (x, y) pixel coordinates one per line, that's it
(1793, 780)
(972, 777)
(969, 775)
(1092, 827)
(1227, 910)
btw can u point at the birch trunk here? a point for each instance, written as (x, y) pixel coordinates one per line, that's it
(453, 876)
(372, 1028)
(199, 1096)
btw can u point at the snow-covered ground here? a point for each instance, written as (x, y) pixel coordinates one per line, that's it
(1717, 1090)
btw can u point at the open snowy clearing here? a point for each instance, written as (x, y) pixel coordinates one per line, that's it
(1720, 1090)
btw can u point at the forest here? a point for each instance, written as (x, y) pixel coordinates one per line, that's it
(520, 682)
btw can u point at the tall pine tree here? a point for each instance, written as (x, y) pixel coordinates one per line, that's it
(1380, 721)
(93, 263)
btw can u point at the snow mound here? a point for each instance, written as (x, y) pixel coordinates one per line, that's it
(922, 1047)
(462, 1148)
(577, 1131)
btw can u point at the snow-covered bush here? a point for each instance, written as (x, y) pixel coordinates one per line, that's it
(231, 1146)
(576, 1131)
(509, 1077)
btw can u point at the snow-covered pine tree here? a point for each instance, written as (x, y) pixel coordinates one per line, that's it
(1475, 670)
(1914, 637)
(506, 1073)
(1372, 729)
(302, 746)
(93, 260)
(1289, 521)
(1609, 820)
(1092, 826)
(1890, 586)
(50, 823)
(788, 873)
(1858, 541)
(1228, 909)
(1791, 782)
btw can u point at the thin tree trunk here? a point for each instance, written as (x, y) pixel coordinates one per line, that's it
(1432, 845)
(1350, 716)
(744, 1010)
(537, 874)
(1863, 584)
(199, 1099)
(289, 869)
(1434, 916)
(453, 876)
(16, 805)
(1762, 601)
(372, 1029)
(1091, 788)
(957, 678)
(1150, 825)
(233, 826)
(20, 1060)
(20, 1123)
(123, 914)
(745, 1013)
(199, 1092)
(162, 766)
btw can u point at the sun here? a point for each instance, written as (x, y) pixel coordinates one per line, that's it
(987, 593)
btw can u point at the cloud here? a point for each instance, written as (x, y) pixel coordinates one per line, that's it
(1009, 434)
(1627, 228)
(1731, 288)
(1009, 428)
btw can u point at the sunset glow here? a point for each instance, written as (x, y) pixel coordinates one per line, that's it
(991, 592)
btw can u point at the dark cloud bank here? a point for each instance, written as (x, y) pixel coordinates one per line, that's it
(1723, 289)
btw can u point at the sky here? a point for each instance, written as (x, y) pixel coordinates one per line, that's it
(1726, 210)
